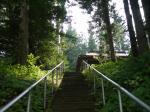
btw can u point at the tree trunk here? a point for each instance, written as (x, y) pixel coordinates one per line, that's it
(140, 32)
(22, 50)
(133, 41)
(146, 7)
(108, 28)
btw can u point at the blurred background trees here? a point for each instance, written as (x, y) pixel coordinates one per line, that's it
(112, 30)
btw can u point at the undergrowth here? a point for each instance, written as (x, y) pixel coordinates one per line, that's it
(14, 79)
(131, 73)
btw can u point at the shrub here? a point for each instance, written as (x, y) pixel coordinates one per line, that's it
(14, 79)
(131, 73)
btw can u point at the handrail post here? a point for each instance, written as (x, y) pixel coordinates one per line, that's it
(29, 102)
(59, 72)
(84, 66)
(57, 76)
(103, 91)
(62, 71)
(63, 67)
(52, 82)
(94, 84)
(89, 68)
(45, 92)
(120, 101)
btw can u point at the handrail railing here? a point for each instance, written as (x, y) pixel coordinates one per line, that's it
(119, 88)
(58, 69)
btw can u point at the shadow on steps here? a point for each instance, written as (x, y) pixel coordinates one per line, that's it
(74, 95)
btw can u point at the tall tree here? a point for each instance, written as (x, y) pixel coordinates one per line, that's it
(15, 20)
(140, 32)
(133, 41)
(9, 19)
(146, 7)
(101, 15)
(106, 18)
(74, 47)
(22, 50)
(121, 43)
(91, 43)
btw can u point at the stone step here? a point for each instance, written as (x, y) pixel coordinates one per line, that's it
(74, 110)
(73, 95)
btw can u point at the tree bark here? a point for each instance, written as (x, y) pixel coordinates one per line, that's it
(140, 32)
(106, 19)
(23, 35)
(133, 41)
(146, 7)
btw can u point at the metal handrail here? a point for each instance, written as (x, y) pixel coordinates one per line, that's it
(29, 89)
(119, 89)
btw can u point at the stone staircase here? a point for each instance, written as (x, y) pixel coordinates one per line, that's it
(74, 95)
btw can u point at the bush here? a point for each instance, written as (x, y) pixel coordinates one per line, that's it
(132, 74)
(14, 79)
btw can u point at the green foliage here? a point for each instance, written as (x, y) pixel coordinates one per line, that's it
(14, 79)
(119, 31)
(91, 42)
(31, 59)
(43, 15)
(49, 55)
(132, 74)
(74, 47)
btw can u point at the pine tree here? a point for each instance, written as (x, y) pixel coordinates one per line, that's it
(133, 41)
(140, 32)
(146, 7)
(106, 18)
(22, 51)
